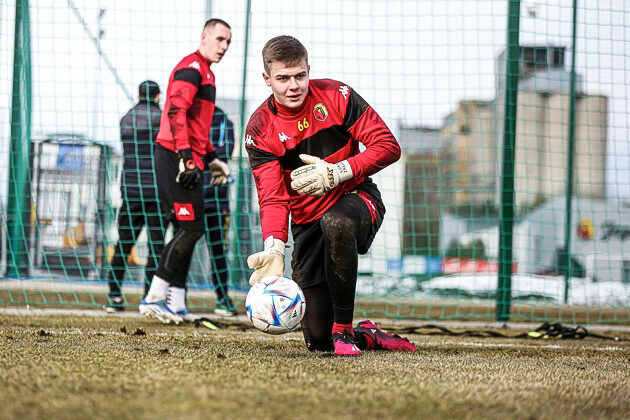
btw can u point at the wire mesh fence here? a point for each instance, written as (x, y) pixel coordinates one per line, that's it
(511, 199)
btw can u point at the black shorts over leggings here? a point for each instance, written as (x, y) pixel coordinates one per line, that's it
(325, 259)
(186, 210)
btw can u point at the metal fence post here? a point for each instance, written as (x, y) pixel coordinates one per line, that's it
(242, 232)
(570, 153)
(18, 209)
(506, 223)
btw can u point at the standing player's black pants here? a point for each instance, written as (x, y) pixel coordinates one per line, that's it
(216, 227)
(186, 208)
(134, 214)
(325, 261)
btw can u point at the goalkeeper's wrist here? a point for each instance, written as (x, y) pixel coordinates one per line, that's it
(274, 245)
(344, 170)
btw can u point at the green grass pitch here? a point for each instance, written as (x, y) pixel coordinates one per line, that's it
(62, 367)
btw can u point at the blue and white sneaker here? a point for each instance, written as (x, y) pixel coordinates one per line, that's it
(160, 311)
(188, 316)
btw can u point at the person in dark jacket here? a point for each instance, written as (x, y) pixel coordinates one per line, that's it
(217, 211)
(140, 202)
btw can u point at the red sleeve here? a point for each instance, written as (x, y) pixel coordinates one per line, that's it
(381, 148)
(186, 82)
(273, 197)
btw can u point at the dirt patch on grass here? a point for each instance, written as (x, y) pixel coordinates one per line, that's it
(97, 367)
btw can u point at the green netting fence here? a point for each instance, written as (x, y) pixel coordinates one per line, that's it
(511, 199)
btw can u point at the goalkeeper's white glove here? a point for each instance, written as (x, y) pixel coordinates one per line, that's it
(269, 262)
(319, 176)
(220, 171)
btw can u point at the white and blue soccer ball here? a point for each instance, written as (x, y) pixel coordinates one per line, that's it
(275, 305)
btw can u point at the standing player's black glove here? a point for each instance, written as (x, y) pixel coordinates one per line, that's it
(188, 175)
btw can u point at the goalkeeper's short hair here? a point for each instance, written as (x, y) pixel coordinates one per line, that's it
(285, 49)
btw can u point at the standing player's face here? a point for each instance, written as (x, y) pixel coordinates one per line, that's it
(215, 42)
(288, 83)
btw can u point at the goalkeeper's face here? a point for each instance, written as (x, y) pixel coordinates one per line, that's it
(288, 82)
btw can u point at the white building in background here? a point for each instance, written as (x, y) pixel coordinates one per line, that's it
(541, 160)
(542, 126)
(542, 129)
(599, 239)
(540, 170)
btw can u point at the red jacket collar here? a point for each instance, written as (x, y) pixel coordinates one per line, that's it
(201, 57)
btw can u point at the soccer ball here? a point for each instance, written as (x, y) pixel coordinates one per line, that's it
(275, 305)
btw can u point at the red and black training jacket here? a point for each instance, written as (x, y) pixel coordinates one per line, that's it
(187, 114)
(330, 124)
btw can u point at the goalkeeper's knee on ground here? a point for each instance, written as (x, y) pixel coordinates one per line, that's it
(321, 343)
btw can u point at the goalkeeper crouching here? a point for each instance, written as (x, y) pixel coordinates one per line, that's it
(303, 146)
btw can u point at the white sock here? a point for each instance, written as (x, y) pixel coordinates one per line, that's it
(176, 299)
(158, 290)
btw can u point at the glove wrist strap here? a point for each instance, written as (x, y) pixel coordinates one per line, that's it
(345, 170)
(274, 245)
(275, 251)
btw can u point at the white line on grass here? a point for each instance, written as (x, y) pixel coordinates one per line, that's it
(520, 346)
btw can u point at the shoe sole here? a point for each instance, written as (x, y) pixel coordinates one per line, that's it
(349, 351)
(111, 310)
(162, 317)
(348, 355)
(191, 318)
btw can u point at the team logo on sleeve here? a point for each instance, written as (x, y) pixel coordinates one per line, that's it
(249, 141)
(344, 91)
(195, 65)
(320, 112)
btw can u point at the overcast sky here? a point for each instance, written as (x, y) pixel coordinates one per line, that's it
(413, 61)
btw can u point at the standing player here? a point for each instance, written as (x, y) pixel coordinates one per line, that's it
(182, 144)
(303, 145)
(140, 205)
